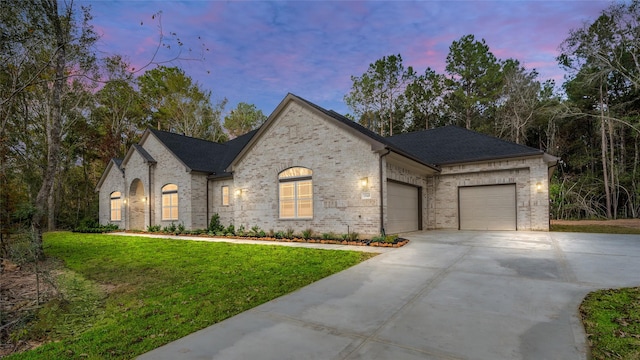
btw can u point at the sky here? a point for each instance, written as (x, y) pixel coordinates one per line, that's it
(259, 51)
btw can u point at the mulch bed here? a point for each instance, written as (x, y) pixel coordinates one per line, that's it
(399, 242)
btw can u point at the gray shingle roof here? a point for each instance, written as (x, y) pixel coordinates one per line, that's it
(144, 153)
(202, 155)
(452, 144)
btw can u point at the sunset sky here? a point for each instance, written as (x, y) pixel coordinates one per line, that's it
(260, 51)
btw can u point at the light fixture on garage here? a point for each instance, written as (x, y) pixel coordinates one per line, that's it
(364, 182)
(238, 192)
(539, 186)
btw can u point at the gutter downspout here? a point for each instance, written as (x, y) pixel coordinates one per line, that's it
(149, 197)
(207, 221)
(382, 193)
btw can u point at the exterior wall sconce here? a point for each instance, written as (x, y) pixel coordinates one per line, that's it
(539, 186)
(124, 201)
(364, 182)
(144, 199)
(238, 192)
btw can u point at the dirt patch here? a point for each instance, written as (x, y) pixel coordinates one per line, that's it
(19, 299)
(629, 223)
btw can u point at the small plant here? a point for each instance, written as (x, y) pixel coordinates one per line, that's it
(262, 234)
(172, 228)
(153, 228)
(390, 238)
(289, 233)
(354, 236)
(279, 235)
(231, 230)
(255, 230)
(378, 238)
(271, 233)
(214, 224)
(180, 229)
(307, 234)
(345, 236)
(241, 231)
(327, 236)
(220, 233)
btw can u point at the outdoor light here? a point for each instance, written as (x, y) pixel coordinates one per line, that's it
(364, 182)
(144, 199)
(238, 192)
(539, 186)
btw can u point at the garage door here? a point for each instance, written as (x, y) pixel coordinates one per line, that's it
(488, 207)
(402, 208)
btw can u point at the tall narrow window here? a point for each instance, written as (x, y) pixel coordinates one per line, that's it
(296, 193)
(170, 202)
(116, 206)
(225, 195)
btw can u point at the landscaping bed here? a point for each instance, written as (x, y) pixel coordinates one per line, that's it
(389, 241)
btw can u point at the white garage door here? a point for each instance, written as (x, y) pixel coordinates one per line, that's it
(488, 207)
(402, 208)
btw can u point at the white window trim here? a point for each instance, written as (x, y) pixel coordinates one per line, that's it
(171, 205)
(295, 180)
(111, 208)
(226, 198)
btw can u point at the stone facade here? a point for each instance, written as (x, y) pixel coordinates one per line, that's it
(532, 203)
(338, 159)
(113, 180)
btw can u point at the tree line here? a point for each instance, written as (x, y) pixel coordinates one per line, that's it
(592, 122)
(65, 112)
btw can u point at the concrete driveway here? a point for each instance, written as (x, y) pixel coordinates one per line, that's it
(446, 295)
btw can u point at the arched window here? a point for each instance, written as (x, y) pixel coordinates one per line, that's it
(116, 206)
(170, 202)
(296, 193)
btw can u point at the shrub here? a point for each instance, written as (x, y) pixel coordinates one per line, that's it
(241, 231)
(255, 230)
(353, 236)
(307, 234)
(153, 228)
(261, 233)
(231, 230)
(279, 235)
(289, 233)
(327, 236)
(378, 238)
(390, 238)
(180, 229)
(170, 229)
(214, 224)
(345, 236)
(97, 228)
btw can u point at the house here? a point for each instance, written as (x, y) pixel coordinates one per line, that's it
(311, 168)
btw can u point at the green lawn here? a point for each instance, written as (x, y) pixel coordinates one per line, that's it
(612, 321)
(127, 295)
(596, 229)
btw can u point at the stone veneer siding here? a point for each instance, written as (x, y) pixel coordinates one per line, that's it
(114, 181)
(226, 212)
(338, 159)
(532, 205)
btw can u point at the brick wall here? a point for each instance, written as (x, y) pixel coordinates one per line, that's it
(338, 159)
(114, 181)
(532, 204)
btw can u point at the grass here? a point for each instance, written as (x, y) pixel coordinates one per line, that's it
(598, 229)
(612, 322)
(128, 295)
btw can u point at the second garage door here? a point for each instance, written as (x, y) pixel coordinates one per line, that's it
(488, 207)
(403, 212)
